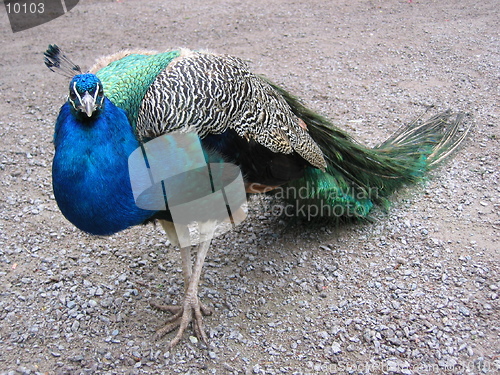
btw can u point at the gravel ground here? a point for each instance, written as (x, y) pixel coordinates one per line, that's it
(414, 292)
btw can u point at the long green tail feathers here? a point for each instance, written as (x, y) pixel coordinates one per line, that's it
(357, 177)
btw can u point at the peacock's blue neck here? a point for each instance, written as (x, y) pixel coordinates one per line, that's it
(90, 170)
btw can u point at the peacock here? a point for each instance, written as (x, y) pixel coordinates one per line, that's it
(131, 98)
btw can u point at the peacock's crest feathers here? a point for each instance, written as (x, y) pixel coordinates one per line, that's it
(57, 61)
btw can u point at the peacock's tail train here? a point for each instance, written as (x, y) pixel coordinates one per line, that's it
(357, 177)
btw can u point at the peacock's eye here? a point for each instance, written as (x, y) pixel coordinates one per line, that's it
(72, 95)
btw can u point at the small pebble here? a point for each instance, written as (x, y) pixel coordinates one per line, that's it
(336, 349)
(212, 355)
(193, 339)
(464, 311)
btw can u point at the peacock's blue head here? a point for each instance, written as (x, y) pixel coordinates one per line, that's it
(86, 93)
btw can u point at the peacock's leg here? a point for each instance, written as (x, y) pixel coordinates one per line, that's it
(176, 310)
(191, 309)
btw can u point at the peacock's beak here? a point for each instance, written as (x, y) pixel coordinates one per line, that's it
(88, 104)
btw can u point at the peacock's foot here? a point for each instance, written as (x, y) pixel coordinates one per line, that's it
(192, 310)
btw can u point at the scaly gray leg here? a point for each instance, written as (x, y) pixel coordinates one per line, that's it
(191, 309)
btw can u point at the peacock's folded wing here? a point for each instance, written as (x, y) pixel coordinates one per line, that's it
(209, 94)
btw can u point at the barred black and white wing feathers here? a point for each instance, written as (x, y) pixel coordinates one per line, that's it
(210, 94)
